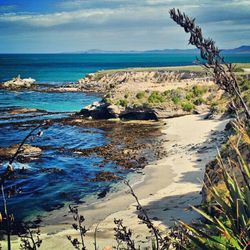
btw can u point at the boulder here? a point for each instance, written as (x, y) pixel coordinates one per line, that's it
(115, 110)
(27, 153)
(96, 111)
(139, 115)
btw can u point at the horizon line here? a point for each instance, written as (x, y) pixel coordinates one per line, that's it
(101, 51)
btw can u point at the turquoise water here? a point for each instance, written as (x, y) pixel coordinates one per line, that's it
(64, 102)
(69, 181)
(71, 67)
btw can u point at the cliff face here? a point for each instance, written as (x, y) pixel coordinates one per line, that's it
(140, 80)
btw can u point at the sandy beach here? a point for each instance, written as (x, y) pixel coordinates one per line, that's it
(169, 187)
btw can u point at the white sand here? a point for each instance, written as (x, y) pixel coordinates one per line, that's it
(170, 186)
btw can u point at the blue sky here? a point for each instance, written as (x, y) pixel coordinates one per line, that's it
(77, 25)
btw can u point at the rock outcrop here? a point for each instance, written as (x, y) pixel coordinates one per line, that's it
(102, 110)
(27, 153)
(148, 94)
(18, 83)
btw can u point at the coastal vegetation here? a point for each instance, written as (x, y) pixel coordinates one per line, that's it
(226, 192)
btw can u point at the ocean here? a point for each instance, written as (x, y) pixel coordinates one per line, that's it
(59, 177)
(71, 67)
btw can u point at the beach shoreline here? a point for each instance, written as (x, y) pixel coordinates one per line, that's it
(170, 186)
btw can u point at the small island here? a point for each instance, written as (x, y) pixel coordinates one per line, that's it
(18, 83)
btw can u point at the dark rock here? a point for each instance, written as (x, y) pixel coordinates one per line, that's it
(97, 111)
(102, 110)
(103, 193)
(52, 170)
(139, 115)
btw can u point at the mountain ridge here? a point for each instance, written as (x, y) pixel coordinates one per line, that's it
(239, 50)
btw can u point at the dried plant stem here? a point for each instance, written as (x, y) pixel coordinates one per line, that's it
(78, 226)
(23, 141)
(146, 218)
(222, 72)
(8, 172)
(123, 234)
(7, 216)
(95, 237)
(30, 240)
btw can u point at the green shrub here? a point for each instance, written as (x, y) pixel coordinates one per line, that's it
(176, 95)
(199, 90)
(107, 100)
(246, 97)
(237, 69)
(245, 84)
(140, 95)
(122, 102)
(167, 92)
(187, 106)
(146, 105)
(108, 95)
(198, 101)
(156, 97)
(176, 100)
(189, 96)
(214, 104)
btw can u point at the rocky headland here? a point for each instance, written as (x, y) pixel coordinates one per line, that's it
(149, 94)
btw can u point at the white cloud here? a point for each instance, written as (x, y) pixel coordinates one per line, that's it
(59, 18)
(127, 24)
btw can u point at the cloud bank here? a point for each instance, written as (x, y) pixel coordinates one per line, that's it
(118, 24)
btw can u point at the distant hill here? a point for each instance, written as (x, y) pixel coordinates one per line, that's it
(165, 51)
(240, 50)
(245, 49)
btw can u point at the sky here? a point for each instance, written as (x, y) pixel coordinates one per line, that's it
(47, 26)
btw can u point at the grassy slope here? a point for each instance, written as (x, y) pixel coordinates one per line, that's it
(191, 68)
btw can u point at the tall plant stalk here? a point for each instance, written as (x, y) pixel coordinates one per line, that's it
(213, 60)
